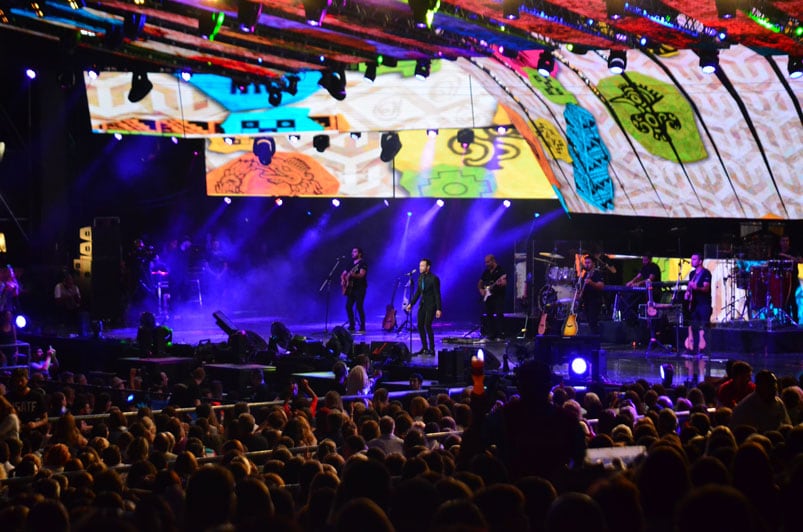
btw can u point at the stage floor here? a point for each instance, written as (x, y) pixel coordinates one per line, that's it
(621, 362)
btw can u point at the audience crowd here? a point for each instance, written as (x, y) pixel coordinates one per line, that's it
(725, 455)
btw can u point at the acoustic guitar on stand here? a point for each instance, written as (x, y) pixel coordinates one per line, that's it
(652, 311)
(570, 324)
(389, 323)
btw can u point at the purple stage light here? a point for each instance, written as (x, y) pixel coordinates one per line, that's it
(31, 73)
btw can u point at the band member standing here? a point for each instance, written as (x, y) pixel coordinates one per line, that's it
(428, 289)
(786, 253)
(592, 286)
(355, 284)
(698, 300)
(492, 285)
(649, 270)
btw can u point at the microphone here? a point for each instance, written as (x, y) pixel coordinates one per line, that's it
(412, 272)
(341, 257)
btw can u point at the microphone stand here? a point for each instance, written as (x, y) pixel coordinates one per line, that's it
(326, 287)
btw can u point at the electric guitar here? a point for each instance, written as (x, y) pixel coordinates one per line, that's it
(689, 295)
(389, 323)
(346, 282)
(570, 325)
(651, 310)
(486, 291)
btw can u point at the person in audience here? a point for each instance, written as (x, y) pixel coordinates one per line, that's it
(762, 409)
(738, 386)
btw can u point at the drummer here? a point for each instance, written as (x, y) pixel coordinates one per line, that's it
(649, 270)
(790, 259)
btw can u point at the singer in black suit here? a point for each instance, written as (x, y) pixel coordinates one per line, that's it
(428, 288)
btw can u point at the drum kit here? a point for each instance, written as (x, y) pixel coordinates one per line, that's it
(768, 286)
(555, 297)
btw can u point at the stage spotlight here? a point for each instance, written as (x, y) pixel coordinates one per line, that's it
(667, 374)
(579, 367)
(465, 137)
(439, 203)
(506, 204)
(227, 200)
(391, 146)
(510, 9)
(320, 142)
(133, 24)
(174, 140)
(315, 11)
(21, 321)
(335, 202)
(795, 66)
(617, 61)
(370, 72)
(186, 75)
(274, 95)
(118, 136)
(727, 8)
(355, 135)
(30, 73)
(290, 85)
(93, 74)
(341, 342)
(209, 24)
(432, 133)
(248, 14)
(546, 63)
(422, 68)
(76, 4)
(264, 148)
(294, 139)
(140, 86)
(278, 202)
(334, 81)
(424, 12)
(228, 140)
(709, 60)
(409, 214)
(615, 8)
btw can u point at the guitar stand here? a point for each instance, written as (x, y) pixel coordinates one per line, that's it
(654, 343)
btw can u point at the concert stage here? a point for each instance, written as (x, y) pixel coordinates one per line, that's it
(620, 355)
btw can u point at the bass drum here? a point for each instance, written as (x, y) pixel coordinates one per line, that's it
(555, 300)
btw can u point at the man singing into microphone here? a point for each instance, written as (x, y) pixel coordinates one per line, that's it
(428, 289)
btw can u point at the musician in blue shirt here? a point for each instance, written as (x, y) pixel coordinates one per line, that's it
(428, 289)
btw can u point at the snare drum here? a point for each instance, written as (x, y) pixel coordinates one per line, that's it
(561, 275)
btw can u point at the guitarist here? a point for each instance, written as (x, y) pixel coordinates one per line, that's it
(698, 302)
(354, 283)
(492, 285)
(591, 287)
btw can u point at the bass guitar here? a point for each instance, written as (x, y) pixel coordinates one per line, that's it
(346, 283)
(389, 322)
(570, 324)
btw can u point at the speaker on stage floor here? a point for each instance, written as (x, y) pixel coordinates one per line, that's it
(454, 365)
(390, 353)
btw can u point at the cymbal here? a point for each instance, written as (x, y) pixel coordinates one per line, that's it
(551, 255)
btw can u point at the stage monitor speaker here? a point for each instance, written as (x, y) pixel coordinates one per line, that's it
(454, 365)
(390, 352)
(513, 326)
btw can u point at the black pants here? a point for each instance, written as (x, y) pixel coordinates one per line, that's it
(356, 297)
(426, 315)
(495, 316)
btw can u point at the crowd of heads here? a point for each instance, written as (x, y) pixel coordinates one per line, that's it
(425, 461)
